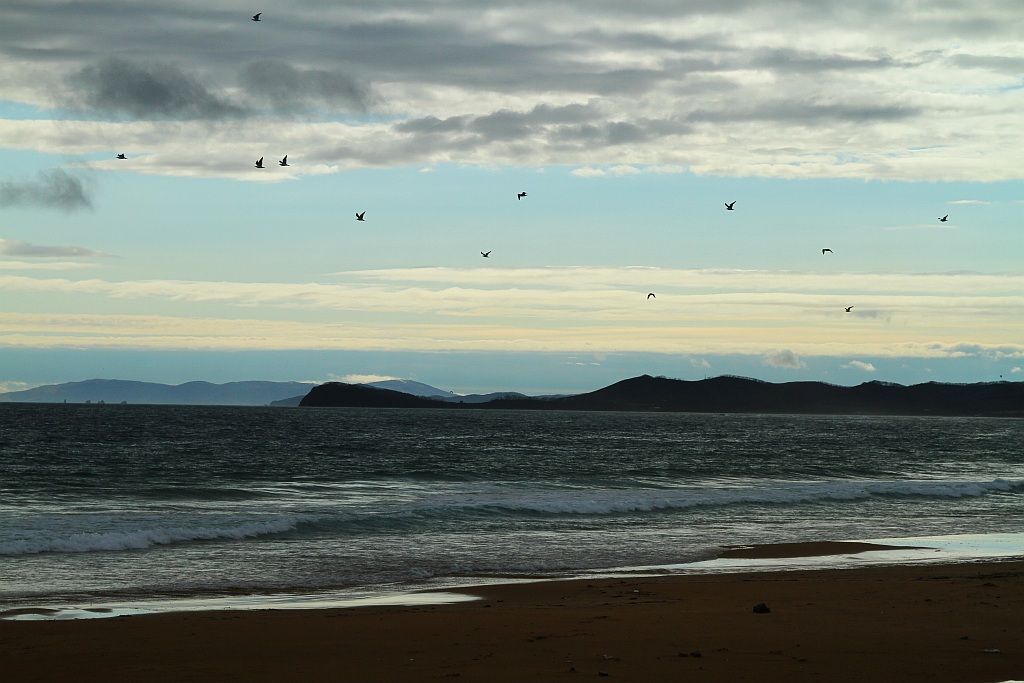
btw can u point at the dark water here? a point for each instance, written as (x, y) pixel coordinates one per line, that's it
(106, 502)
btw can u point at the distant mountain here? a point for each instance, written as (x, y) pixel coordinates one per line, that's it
(728, 395)
(191, 393)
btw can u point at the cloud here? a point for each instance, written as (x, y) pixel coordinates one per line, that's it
(701, 363)
(146, 91)
(860, 365)
(24, 249)
(969, 201)
(1017, 369)
(52, 189)
(365, 379)
(291, 90)
(6, 387)
(45, 265)
(783, 359)
(797, 93)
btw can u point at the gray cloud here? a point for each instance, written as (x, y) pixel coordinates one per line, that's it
(27, 250)
(146, 91)
(574, 126)
(291, 90)
(54, 189)
(484, 82)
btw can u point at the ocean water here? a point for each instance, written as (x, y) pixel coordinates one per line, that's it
(103, 504)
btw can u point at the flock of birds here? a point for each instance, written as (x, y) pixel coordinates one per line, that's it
(729, 206)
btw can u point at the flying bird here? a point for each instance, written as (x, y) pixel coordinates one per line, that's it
(121, 156)
(359, 216)
(520, 195)
(485, 254)
(650, 295)
(259, 163)
(849, 308)
(944, 218)
(729, 205)
(284, 162)
(824, 250)
(256, 17)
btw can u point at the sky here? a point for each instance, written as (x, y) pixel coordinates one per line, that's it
(848, 126)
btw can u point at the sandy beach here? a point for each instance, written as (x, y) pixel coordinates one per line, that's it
(958, 622)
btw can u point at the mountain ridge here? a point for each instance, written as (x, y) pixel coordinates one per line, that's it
(729, 394)
(723, 394)
(249, 393)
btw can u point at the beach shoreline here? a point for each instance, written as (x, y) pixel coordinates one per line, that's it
(900, 622)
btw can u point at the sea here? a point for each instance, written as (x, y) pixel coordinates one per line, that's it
(120, 509)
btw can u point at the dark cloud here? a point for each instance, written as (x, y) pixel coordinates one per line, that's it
(24, 249)
(146, 91)
(289, 90)
(574, 126)
(54, 189)
(808, 113)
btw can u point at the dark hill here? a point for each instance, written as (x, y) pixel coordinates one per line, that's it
(729, 395)
(740, 395)
(341, 395)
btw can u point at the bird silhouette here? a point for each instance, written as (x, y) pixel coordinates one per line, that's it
(824, 250)
(944, 218)
(121, 156)
(520, 195)
(849, 308)
(256, 17)
(259, 163)
(485, 254)
(729, 205)
(284, 162)
(359, 216)
(650, 295)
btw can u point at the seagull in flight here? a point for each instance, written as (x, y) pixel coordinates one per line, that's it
(520, 195)
(259, 163)
(729, 205)
(359, 216)
(650, 295)
(944, 218)
(121, 156)
(485, 254)
(284, 162)
(849, 308)
(826, 249)
(256, 17)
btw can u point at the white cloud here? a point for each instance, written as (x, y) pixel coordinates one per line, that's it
(860, 365)
(365, 379)
(783, 359)
(45, 265)
(580, 310)
(969, 201)
(1017, 369)
(6, 387)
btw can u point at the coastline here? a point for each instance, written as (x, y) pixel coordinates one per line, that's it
(905, 622)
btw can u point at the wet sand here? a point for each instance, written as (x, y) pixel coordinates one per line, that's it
(958, 622)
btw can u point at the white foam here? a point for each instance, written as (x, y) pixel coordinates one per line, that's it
(142, 538)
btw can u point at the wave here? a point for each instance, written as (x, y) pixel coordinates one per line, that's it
(613, 501)
(143, 538)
